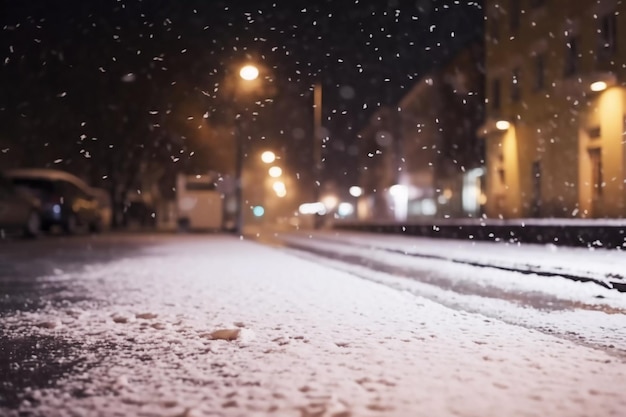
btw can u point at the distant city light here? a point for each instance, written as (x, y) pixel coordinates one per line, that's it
(258, 211)
(356, 191)
(312, 208)
(398, 190)
(502, 125)
(598, 86)
(249, 72)
(330, 202)
(429, 207)
(345, 209)
(280, 189)
(400, 196)
(275, 172)
(268, 157)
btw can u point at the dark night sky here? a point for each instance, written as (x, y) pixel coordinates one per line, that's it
(66, 62)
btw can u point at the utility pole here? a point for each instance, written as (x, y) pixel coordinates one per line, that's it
(317, 145)
(248, 73)
(239, 177)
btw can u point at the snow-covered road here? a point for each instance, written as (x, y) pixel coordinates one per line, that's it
(147, 336)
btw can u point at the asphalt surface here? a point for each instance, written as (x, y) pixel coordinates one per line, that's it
(38, 273)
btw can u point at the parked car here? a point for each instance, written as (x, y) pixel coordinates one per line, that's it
(19, 211)
(66, 200)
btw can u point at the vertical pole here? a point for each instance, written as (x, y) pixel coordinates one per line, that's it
(317, 145)
(239, 177)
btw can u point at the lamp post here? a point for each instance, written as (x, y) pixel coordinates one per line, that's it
(247, 73)
(317, 146)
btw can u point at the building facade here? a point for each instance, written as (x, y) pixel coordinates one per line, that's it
(423, 158)
(443, 157)
(556, 106)
(379, 162)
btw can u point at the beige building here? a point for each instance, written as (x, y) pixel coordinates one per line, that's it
(556, 106)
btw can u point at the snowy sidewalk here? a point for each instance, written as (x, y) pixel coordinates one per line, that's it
(308, 341)
(604, 266)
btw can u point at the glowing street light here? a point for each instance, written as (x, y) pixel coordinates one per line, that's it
(502, 125)
(268, 157)
(330, 202)
(598, 86)
(280, 189)
(249, 72)
(275, 172)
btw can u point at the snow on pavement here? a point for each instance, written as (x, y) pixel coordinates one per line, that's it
(222, 327)
(592, 262)
(544, 258)
(581, 311)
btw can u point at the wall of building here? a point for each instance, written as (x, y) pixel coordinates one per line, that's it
(602, 131)
(545, 155)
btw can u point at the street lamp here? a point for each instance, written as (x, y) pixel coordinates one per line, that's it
(268, 157)
(503, 125)
(280, 189)
(247, 73)
(598, 86)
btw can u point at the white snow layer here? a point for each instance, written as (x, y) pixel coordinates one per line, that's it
(223, 327)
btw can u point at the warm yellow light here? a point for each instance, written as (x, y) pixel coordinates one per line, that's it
(275, 172)
(280, 189)
(330, 201)
(502, 125)
(249, 72)
(598, 86)
(279, 186)
(268, 157)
